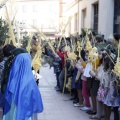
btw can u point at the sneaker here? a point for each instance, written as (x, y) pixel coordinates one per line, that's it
(92, 113)
(85, 108)
(78, 105)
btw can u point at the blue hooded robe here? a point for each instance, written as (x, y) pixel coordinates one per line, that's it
(23, 99)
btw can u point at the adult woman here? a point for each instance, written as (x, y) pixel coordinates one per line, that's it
(23, 100)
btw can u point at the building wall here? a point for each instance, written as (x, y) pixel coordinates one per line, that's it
(86, 4)
(43, 14)
(106, 15)
(60, 8)
(72, 11)
(10, 7)
(40, 12)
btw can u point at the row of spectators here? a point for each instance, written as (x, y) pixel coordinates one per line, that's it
(98, 83)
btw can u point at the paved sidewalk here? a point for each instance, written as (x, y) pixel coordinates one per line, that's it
(55, 106)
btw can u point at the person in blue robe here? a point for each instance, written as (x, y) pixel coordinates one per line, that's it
(22, 97)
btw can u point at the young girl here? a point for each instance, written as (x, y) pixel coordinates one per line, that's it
(78, 80)
(96, 82)
(78, 85)
(105, 80)
(85, 91)
(111, 100)
(116, 93)
(102, 75)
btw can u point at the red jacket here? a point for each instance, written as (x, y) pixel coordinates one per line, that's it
(62, 56)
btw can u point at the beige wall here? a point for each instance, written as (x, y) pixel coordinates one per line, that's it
(71, 11)
(39, 13)
(10, 6)
(106, 15)
(86, 4)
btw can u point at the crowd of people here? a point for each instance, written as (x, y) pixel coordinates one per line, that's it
(85, 79)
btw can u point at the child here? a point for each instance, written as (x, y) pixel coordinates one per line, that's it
(103, 76)
(96, 82)
(58, 67)
(78, 85)
(112, 99)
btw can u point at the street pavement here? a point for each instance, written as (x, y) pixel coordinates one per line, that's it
(57, 106)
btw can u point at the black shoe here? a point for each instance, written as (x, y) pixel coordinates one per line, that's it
(72, 98)
(75, 101)
(58, 89)
(55, 87)
(66, 92)
(91, 112)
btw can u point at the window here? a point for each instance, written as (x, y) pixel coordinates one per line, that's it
(42, 26)
(95, 15)
(117, 17)
(51, 25)
(35, 23)
(84, 19)
(35, 8)
(51, 8)
(24, 21)
(24, 7)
